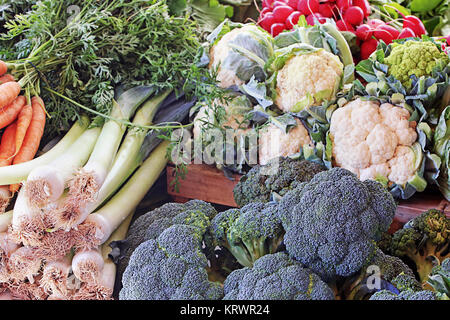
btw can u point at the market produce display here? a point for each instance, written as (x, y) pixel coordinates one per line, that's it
(330, 111)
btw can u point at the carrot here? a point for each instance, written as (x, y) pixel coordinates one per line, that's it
(23, 122)
(9, 113)
(7, 145)
(8, 92)
(32, 137)
(3, 68)
(6, 78)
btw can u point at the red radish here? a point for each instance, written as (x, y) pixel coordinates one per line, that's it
(364, 32)
(415, 24)
(344, 26)
(373, 23)
(263, 12)
(308, 7)
(344, 4)
(386, 33)
(278, 3)
(406, 33)
(292, 20)
(315, 16)
(326, 10)
(364, 5)
(267, 21)
(281, 13)
(354, 15)
(368, 47)
(276, 29)
(293, 4)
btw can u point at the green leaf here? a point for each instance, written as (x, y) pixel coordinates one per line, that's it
(424, 5)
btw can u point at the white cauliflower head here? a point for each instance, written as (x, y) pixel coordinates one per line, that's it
(240, 54)
(274, 142)
(309, 78)
(374, 140)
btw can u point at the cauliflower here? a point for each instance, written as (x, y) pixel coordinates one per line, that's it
(311, 77)
(274, 142)
(374, 141)
(417, 58)
(240, 54)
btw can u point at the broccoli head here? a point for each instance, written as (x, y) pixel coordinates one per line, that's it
(276, 277)
(172, 266)
(423, 242)
(405, 281)
(405, 295)
(256, 186)
(249, 232)
(337, 220)
(152, 224)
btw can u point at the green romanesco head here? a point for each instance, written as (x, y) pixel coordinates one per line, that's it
(417, 58)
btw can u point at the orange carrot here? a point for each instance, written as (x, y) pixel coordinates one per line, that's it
(3, 68)
(32, 137)
(6, 78)
(23, 122)
(8, 92)
(7, 146)
(9, 113)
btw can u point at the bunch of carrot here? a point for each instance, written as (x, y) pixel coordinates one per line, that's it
(22, 121)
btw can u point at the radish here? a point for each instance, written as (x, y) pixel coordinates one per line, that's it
(364, 5)
(406, 33)
(326, 10)
(374, 23)
(364, 32)
(278, 3)
(368, 47)
(354, 15)
(292, 20)
(344, 26)
(415, 24)
(311, 19)
(276, 29)
(263, 12)
(308, 7)
(293, 4)
(267, 21)
(386, 33)
(281, 13)
(344, 4)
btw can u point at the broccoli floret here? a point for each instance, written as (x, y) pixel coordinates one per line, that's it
(250, 232)
(335, 224)
(439, 280)
(171, 267)
(405, 281)
(424, 242)
(276, 277)
(377, 274)
(256, 186)
(152, 224)
(405, 295)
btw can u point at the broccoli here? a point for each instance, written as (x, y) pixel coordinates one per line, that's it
(276, 277)
(404, 282)
(378, 274)
(439, 280)
(172, 266)
(150, 225)
(255, 186)
(405, 295)
(423, 242)
(337, 220)
(250, 232)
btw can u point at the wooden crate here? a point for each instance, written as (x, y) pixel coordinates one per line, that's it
(207, 183)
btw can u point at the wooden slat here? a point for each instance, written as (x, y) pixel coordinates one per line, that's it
(207, 183)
